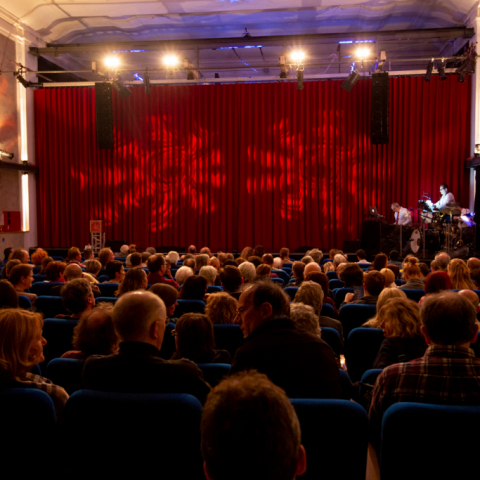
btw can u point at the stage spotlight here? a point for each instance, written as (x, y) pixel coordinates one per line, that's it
(190, 75)
(146, 82)
(217, 75)
(170, 61)
(362, 53)
(297, 57)
(283, 67)
(24, 82)
(300, 80)
(461, 78)
(350, 81)
(441, 71)
(429, 71)
(3, 153)
(121, 88)
(112, 62)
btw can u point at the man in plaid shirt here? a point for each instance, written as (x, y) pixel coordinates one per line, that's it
(448, 373)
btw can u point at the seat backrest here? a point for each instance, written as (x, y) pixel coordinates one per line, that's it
(279, 281)
(339, 294)
(24, 302)
(325, 425)
(332, 337)
(413, 294)
(283, 275)
(354, 316)
(214, 289)
(327, 311)
(43, 288)
(50, 306)
(108, 289)
(66, 372)
(154, 435)
(432, 441)
(103, 278)
(361, 350)
(399, 282)
(189, 306)
(38, 278)
(58, 333)
(228, 337)
(106, 299)
(332, 275)
(168, 345)
(213, 373)
(335, 283)
(291, 292)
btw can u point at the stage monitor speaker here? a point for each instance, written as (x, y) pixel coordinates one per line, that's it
(380, 101)
(104, 115)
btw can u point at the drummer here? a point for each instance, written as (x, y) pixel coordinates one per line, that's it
(446, 198)
(402, 215)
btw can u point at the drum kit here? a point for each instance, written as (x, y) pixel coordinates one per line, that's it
(450, 224)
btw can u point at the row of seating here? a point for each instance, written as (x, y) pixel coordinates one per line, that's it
(418, 441)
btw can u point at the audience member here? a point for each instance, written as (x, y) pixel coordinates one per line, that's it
(190, 263)
(21, 255)
(201, 260)
(328, 267)
(374, 283)
(7, 269)
(6, 253)
(77, 297)
(380, 261)
(94, 334)
(123, 253)
(412, 276)
(231, 280)
(250, 430)
(311, 267)
(45, 262)
(168, 295)
(322, 280)
(284, 254)
(299, 362)
(400, 321)
(88, 254)
(139, 319)
(307, 259)
(21, 348)
(173, 256)
(115, 271)
(264, 272)
(74, 256)
(136, 260)
(338, 260)
(21, 277)
(351, 275)
(434, 266)
(38, 256)
(157, 266)
(194, 288)
(442, 260)
(8, 295)
(105, 255)
(145, 256)
(460, 275)
(194, 340)
(205, 250)
(247, 271)
(448, 373)
(135, 279)
(298, 269)
(305, 318)
(210, 274)
(385, 295)
(221, 308)
(182, 274)
(389, 278)
(362, 256)
(472, 297)
(74, 271)
(55, 272)
(93, 267)
(395, 269)
(316, 254)
(473, 262)
(393, 258)
(246, 252)
(424, 269)
(436, 282)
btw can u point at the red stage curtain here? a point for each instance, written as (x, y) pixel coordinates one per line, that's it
(235, 165)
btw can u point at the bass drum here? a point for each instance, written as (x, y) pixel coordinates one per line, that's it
(415, 241)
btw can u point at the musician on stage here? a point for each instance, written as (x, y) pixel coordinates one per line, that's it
(446, 198)
(402, 215)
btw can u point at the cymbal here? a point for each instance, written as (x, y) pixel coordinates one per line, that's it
(452, 204)
(451, 211)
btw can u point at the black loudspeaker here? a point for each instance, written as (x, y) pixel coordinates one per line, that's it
(103, 115)
(351, 245)
(380, 99)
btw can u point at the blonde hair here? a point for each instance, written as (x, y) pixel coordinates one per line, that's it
(304, 318)
(385, 295)
(310, 293)
(460, 275)
(389, 276)
(18, 329)
(221, 308)
(400, 317)
(328, 267)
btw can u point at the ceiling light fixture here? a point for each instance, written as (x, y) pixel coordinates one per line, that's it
(121, 88)
(351, 80)
(6, 154)
(146, 82)
(428, 74)
(441, 70)
(112, 62)
(170, 61)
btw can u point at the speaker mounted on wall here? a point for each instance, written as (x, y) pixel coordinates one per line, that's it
(104, 115)
(380, 108)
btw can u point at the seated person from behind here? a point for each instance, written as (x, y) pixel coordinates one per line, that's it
(157, 267)
(135, 279)
(21, 347)
(139, 319)
(413, 276)
(231, 280)
(374, 283)
(195, 288)
(93, 267)
(8, 295)
(73, 272)
(169, 296)
(362, 256)
(21, 277)
(94, 334)
(221, 308)
(250, 431)
(115, 271)
(194, 340)
(400, 320)
(77, 298)
(55, 272)
(299, 362)
(448, 373)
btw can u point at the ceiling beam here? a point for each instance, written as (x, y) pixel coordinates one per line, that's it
(440, 34)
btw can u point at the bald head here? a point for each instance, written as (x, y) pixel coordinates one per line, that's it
(442, 260)
(73, 270)
(311, 267)
(472, 297)
(473, 263)
(140, 317)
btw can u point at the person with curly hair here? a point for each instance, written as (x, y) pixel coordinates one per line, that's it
(460, 275)
(221, 308)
